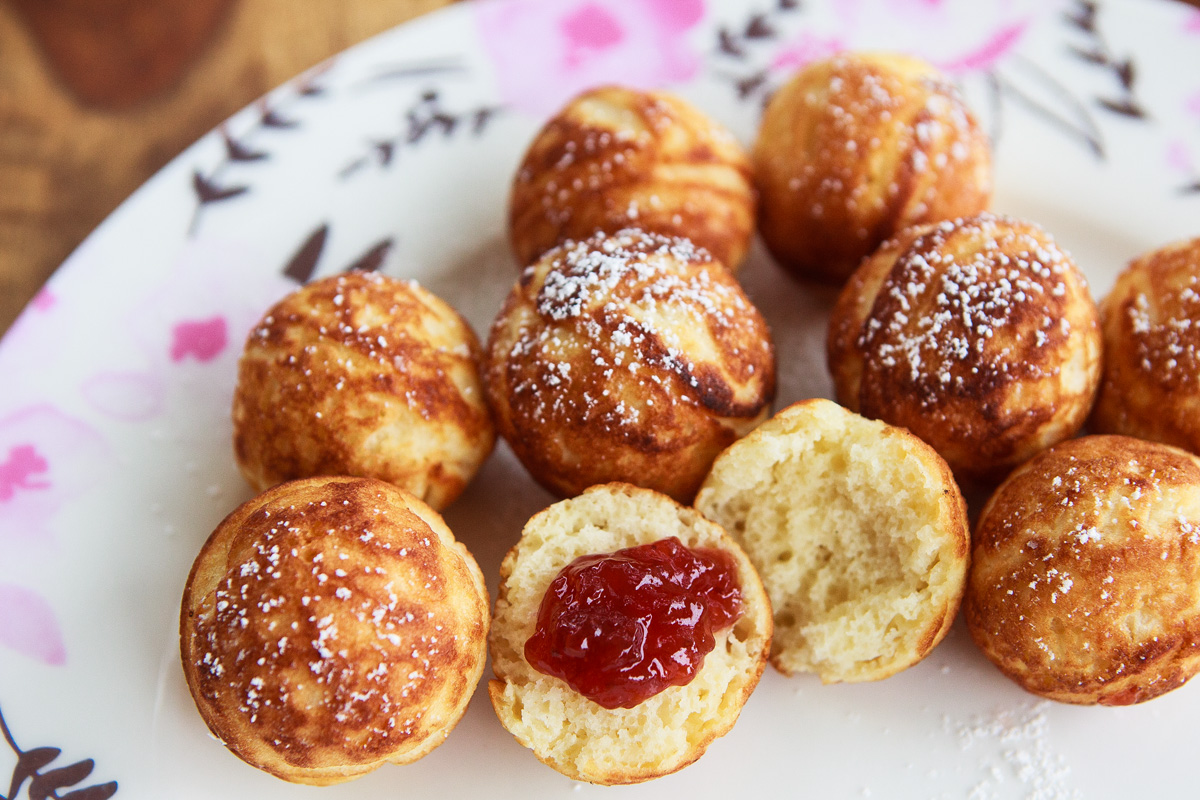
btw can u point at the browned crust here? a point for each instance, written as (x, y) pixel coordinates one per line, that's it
(1151, 320)
(615, 157)
(1085, 577)
(757, 611)
(627, 358)
(856, 148)
(364, 375)
(331, 625)
(979, 335)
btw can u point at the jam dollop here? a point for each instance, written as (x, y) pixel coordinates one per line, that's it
(621, 627)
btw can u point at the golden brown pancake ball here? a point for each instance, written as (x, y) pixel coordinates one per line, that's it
(979, 335)
(1151, 319)
(360, 374)
(854, 149)
(1085, 573)
(331, 625)
(627, 357)
(615, 158)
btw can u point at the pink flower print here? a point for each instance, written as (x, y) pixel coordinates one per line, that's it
(1192, 25)
(803, 50)
(24, 462)
(956, 37)
(29, 626)
(186, 333)
(547, 51)
(989, 51)
(202, 340)
(1179, 158)
(46, 459)
(44, 300)
(1192, 104)
(208, 301)
(37, 337)
(125, 396)
(589, 28)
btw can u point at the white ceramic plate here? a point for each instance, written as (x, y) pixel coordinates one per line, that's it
(115, 457)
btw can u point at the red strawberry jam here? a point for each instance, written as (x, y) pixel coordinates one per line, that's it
(621, 627)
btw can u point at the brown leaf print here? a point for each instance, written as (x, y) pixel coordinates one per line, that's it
(237, 151)
(271, 118)
(372, 260)
(303, 264)
(727, 43)
(1083, 16)
(426, 116)
(759, 27)
(209, 192)
(1097, 52)
(46, 784)
(1124, 106)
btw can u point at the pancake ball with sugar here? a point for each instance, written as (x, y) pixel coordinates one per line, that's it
(979, 335)
(331, 625)
(856, 148)
(1084, 584)
(616, 157)
(1151, 385)
(628, 357)
(361, 374)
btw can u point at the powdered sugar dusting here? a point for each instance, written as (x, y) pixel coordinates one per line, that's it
(594, 268)
(965, 301)
(1165, 329)
(308, 628)
(1025, 758)
(616, 324)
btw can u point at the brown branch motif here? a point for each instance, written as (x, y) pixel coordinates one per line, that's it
(35, 774)
(425, 117)
(1096, 50)
(245, 149)
(1016, 81)
(1029, 86)
(303, 264)
(738, 42)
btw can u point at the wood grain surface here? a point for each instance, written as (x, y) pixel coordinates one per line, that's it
(97, 95)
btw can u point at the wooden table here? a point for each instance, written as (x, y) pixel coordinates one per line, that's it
(97, 95)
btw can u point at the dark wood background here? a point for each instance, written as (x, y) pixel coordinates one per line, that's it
(97, 95)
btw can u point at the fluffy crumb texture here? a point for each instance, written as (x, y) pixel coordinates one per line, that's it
(360, 374)
(332, 625)
(858, 531)
(979, 335)
(857, 147)
(616, 157)
(628, 357)
(1085, 577)
(670, 730)
(1151, 385)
